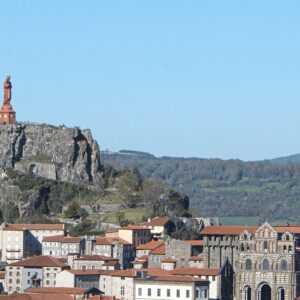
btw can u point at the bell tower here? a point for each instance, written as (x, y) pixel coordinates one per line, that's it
(7, 113)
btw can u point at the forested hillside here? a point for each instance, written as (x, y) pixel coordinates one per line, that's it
(223, 187)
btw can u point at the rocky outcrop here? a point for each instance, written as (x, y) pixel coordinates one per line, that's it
(67, 154)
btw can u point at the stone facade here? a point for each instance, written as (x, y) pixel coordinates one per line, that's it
(265, 259)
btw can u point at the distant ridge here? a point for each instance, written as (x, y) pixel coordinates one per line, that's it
(295, 158)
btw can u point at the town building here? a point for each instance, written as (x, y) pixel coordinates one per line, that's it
(96, 262)
(170, 287)
(35, 271)
(23, 240)
(115, 247)
(61, 246)
(135, 234)
(159, 226)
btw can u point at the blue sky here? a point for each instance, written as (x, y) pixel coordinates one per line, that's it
(178, 78)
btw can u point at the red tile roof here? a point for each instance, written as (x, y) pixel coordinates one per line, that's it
(62, 239)
(196, 258)
(169, 260)
(89, 272)
(134, 227)
(40, 261)
(56, 290)
(96, 258)
(37, 297)
(150, 245)
(196, 271)
(195, 242)
(97, 297)
(176, 278)
(110, 241)
(161, 250)
(290, 228)
(227, 230)
(158, 221)
(22, 227)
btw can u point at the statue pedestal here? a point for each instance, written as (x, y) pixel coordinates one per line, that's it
(7, 115)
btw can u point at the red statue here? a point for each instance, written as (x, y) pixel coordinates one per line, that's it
(7, 91)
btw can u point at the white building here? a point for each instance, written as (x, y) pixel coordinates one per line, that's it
(23, 240)
(171, 287)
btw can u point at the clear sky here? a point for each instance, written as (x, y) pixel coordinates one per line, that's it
(169, 77)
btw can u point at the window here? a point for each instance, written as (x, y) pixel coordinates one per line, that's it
(178, 293)
(265, 265)
(149, 292)
(10, 281)
(10, 273)
(47, 274)
(47, 281)
(283, 265)
(168, 293)
(140, 291)
(28, 274)
(197, 293)
(18, 281)
(265, 246)
(158, 292)
(122, 290)
(248, 264)
(187, 294)
(214, 278)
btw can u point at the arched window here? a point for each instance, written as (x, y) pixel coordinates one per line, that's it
(284, 248)
(242, 247)
(265, 245)
(248, 264)
(265, 265)
(248, 293)
(283, 265)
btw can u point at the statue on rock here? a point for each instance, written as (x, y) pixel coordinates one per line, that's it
(7, 114)
(7, 91)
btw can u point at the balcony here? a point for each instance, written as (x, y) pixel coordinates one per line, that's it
(13, 250)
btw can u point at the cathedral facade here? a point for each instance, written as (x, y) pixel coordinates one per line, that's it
(265, 259)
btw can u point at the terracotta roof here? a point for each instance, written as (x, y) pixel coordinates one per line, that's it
(150, 245)
(158, 221)
(227, 230)
(161, 250)
(134, 227)
(62, 239)
(2, 275)
(56, 290)
(96, 258)
(37, 297)
(110, 241)
(195, 242)
(196, 258)
(40, 261)
(290, 228)
(110, 263)
(97, 297)
(176, 278)
(196, 271)
(89, 272)
(169, 260)
(22, 227)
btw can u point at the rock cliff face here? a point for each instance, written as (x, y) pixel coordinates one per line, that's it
(67, 154)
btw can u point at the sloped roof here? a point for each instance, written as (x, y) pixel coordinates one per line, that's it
(161, 250)
(56, 290)
(22, 227)
(196, 271)
(62, 239)
(150, 245)
(40, 261)
(290, 228)
(175, 278)
(134, 227)
(158, 221)
(96, 258)
(37, 297)
(194, 242)
(169, 260)
(110, 241)
(227, 230)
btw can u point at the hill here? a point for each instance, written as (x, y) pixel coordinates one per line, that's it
(229, 188)
(285, 159)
